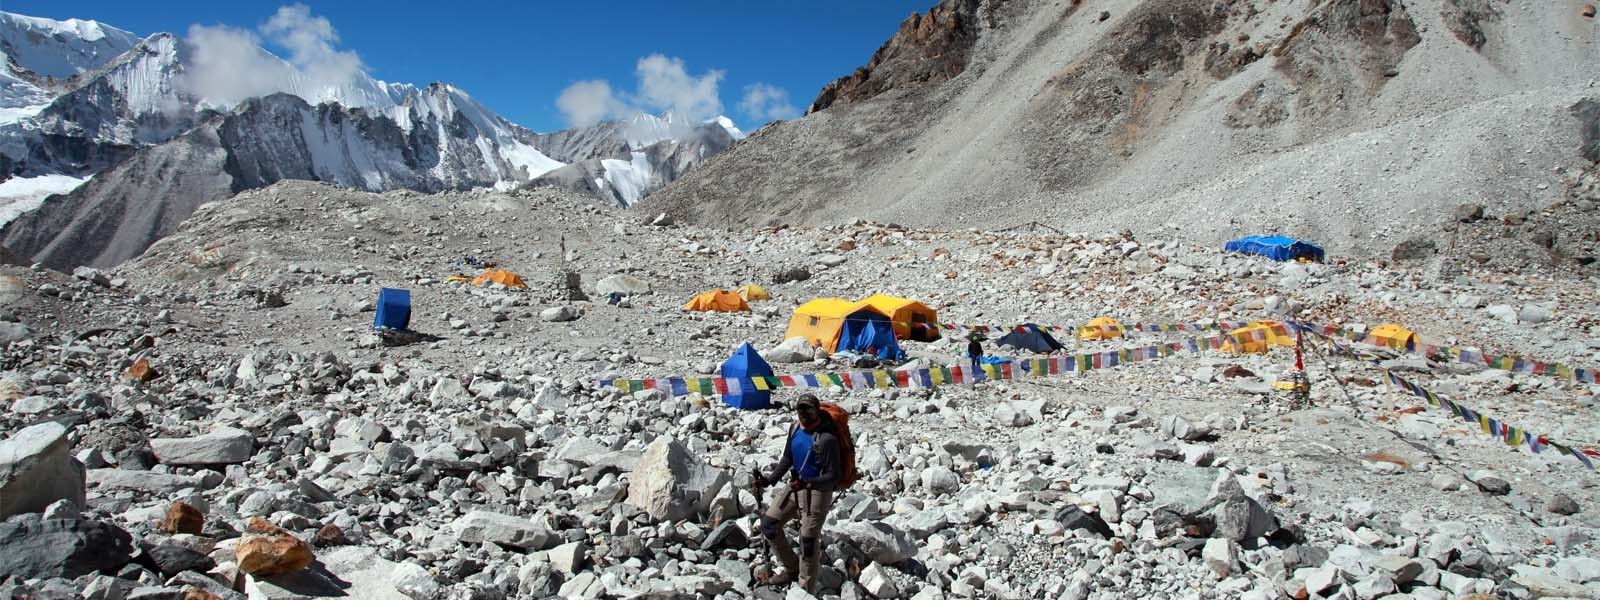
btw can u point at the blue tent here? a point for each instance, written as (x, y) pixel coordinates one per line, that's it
(1278, 248)
(867, 329)
(394, 310)
(746, 362)
(1029, 337)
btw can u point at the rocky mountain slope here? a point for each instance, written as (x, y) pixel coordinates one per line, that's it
(215, 414)
(365, 134)
(1354, 123)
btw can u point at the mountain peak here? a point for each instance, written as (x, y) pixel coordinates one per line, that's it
(61, 49)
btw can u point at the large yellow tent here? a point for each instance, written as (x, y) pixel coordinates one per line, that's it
(718, 301)
(754, 292)
(1095, 329)
(1241, 339)
(912, 320)
(820, 320)
(500, 276)
(1395, 336)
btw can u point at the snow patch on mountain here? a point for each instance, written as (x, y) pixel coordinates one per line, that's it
(59, 49)
(631, 179)
(22, 194)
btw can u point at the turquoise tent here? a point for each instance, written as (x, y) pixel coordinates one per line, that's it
(746, 363)
(869, 332)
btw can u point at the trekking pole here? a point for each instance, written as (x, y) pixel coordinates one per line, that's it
(763, 572)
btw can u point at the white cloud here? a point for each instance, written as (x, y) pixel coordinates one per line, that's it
(310, 43)
(664, 85)
(588, 102)
(765, 102)
(230, 66)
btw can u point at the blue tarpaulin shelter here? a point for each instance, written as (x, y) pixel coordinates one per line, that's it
(746, 362)
(1029, 337)
(394, 310)
(869, 332)
(1277, 247)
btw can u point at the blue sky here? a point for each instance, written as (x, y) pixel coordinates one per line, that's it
(519, 57)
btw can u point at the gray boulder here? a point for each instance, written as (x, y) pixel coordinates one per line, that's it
(32, 548)
(224, 446)
(626, 285)
(13, 332)
(559, 314)
(479, 526)
(671, 483)
(37, 468)
(880, 541)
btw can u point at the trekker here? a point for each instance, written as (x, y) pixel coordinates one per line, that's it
(814, 461)
(975, 352)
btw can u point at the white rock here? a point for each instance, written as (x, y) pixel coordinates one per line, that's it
(1534, 314)
(881, 542)
(939, 480)
(221, 446)
(671, 483)
(558, 314)
(878, 583)
(1504, 312)
(37, 469)
(568, 558)
(1221, 556)
(479, 526)
(792, 350)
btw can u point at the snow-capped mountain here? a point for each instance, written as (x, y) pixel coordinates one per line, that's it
(147, 124)
(626, 160)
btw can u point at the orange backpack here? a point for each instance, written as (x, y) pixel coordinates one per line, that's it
(847, 444)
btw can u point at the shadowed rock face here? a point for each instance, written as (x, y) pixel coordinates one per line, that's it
(1588, 114)
(928, 48)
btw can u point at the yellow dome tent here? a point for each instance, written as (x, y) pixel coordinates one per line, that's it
(1095, 329)
(912, 320)
(500, 276)
(718, 301)
(1242, 339)
(820, 320)
(1393, 335)
(753, 293)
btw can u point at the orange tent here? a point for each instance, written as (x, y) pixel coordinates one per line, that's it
(719, 301)
(500, 276)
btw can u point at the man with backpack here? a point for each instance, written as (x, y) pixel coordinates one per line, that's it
(818, 456)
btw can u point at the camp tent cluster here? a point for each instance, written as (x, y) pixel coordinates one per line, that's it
(870, 326)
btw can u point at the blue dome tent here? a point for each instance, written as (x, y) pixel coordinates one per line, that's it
(745, 363)
(1029, 337)
(869, 332)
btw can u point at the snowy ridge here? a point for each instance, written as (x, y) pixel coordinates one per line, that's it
(630, 179)
(60, 49)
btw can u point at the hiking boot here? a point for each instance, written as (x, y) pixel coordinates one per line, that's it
(782, 577)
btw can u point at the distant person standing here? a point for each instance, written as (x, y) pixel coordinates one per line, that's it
(975, 352)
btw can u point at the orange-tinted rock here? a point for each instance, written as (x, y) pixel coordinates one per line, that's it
(194, 593)
(330, 535)
(141, 371)
(272, 554)
(182, 518)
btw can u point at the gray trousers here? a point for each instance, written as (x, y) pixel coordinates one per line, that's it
(811, 506)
